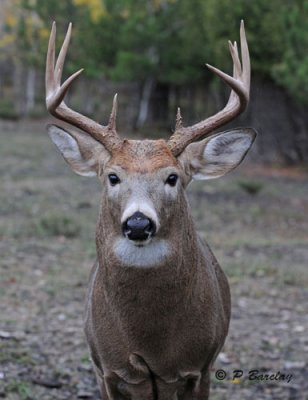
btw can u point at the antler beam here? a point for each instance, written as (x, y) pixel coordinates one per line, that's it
(238, 100)
(55, 93)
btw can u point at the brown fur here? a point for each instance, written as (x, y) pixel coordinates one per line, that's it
(150, 155)
(173, 317)
(154, 329)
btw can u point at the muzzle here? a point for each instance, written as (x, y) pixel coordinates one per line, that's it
(138, 227)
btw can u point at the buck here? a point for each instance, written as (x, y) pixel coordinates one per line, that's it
(158, 303)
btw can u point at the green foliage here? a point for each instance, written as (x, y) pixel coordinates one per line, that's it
(262, 27)
(292, 70)
(7, 110)
(250, 187)
(162, 41)
(23, 390)
(57, 225)
(170, 40)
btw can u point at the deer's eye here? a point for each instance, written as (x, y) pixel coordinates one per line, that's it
(113, 179)
(172, 179)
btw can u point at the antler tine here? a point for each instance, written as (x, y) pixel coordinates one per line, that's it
(237, 68)
(50, 61)
(55, 93)
(62, 54)
(245, 56)
(178, 124)
(238, 100)
(113, 115)
(233, 83)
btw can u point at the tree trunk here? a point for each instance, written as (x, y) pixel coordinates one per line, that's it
(146, 93)
(30, 90)
(160, 104)
(18, 88)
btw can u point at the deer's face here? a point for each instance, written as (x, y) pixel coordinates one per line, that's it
(142, 186)
(143, 182)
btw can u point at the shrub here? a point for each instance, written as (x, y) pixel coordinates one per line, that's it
(58, 225)
(250, 187)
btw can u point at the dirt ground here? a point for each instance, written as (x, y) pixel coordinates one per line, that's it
(255, 219)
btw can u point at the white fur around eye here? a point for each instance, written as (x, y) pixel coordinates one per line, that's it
(113, 191)
(171, 191)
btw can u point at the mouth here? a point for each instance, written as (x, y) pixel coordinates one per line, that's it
(138, 242)
(141, 243)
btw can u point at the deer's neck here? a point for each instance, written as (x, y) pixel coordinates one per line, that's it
(162, 289)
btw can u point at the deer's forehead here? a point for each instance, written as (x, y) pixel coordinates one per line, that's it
(143, 156)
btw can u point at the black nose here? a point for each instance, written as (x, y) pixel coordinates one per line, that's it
(138, 227)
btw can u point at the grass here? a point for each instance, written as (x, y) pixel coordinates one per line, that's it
(251, 187)
(17, 355)
(47, 229)
(57, 225)
(42, 198)
(22, 389)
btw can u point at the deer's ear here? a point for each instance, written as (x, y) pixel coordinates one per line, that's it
(83, 153)
(217, 155)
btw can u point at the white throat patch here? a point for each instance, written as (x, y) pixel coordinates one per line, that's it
(149, 255)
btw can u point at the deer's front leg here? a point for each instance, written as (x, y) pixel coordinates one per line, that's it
(204, 388)
(195, 387)
(118, 389)
(189, 386)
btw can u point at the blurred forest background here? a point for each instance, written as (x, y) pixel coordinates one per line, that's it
(153, 52)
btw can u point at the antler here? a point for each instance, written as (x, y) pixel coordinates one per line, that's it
(55, 93)
(238, 100)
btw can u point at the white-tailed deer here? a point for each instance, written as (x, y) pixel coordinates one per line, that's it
(158, 304)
